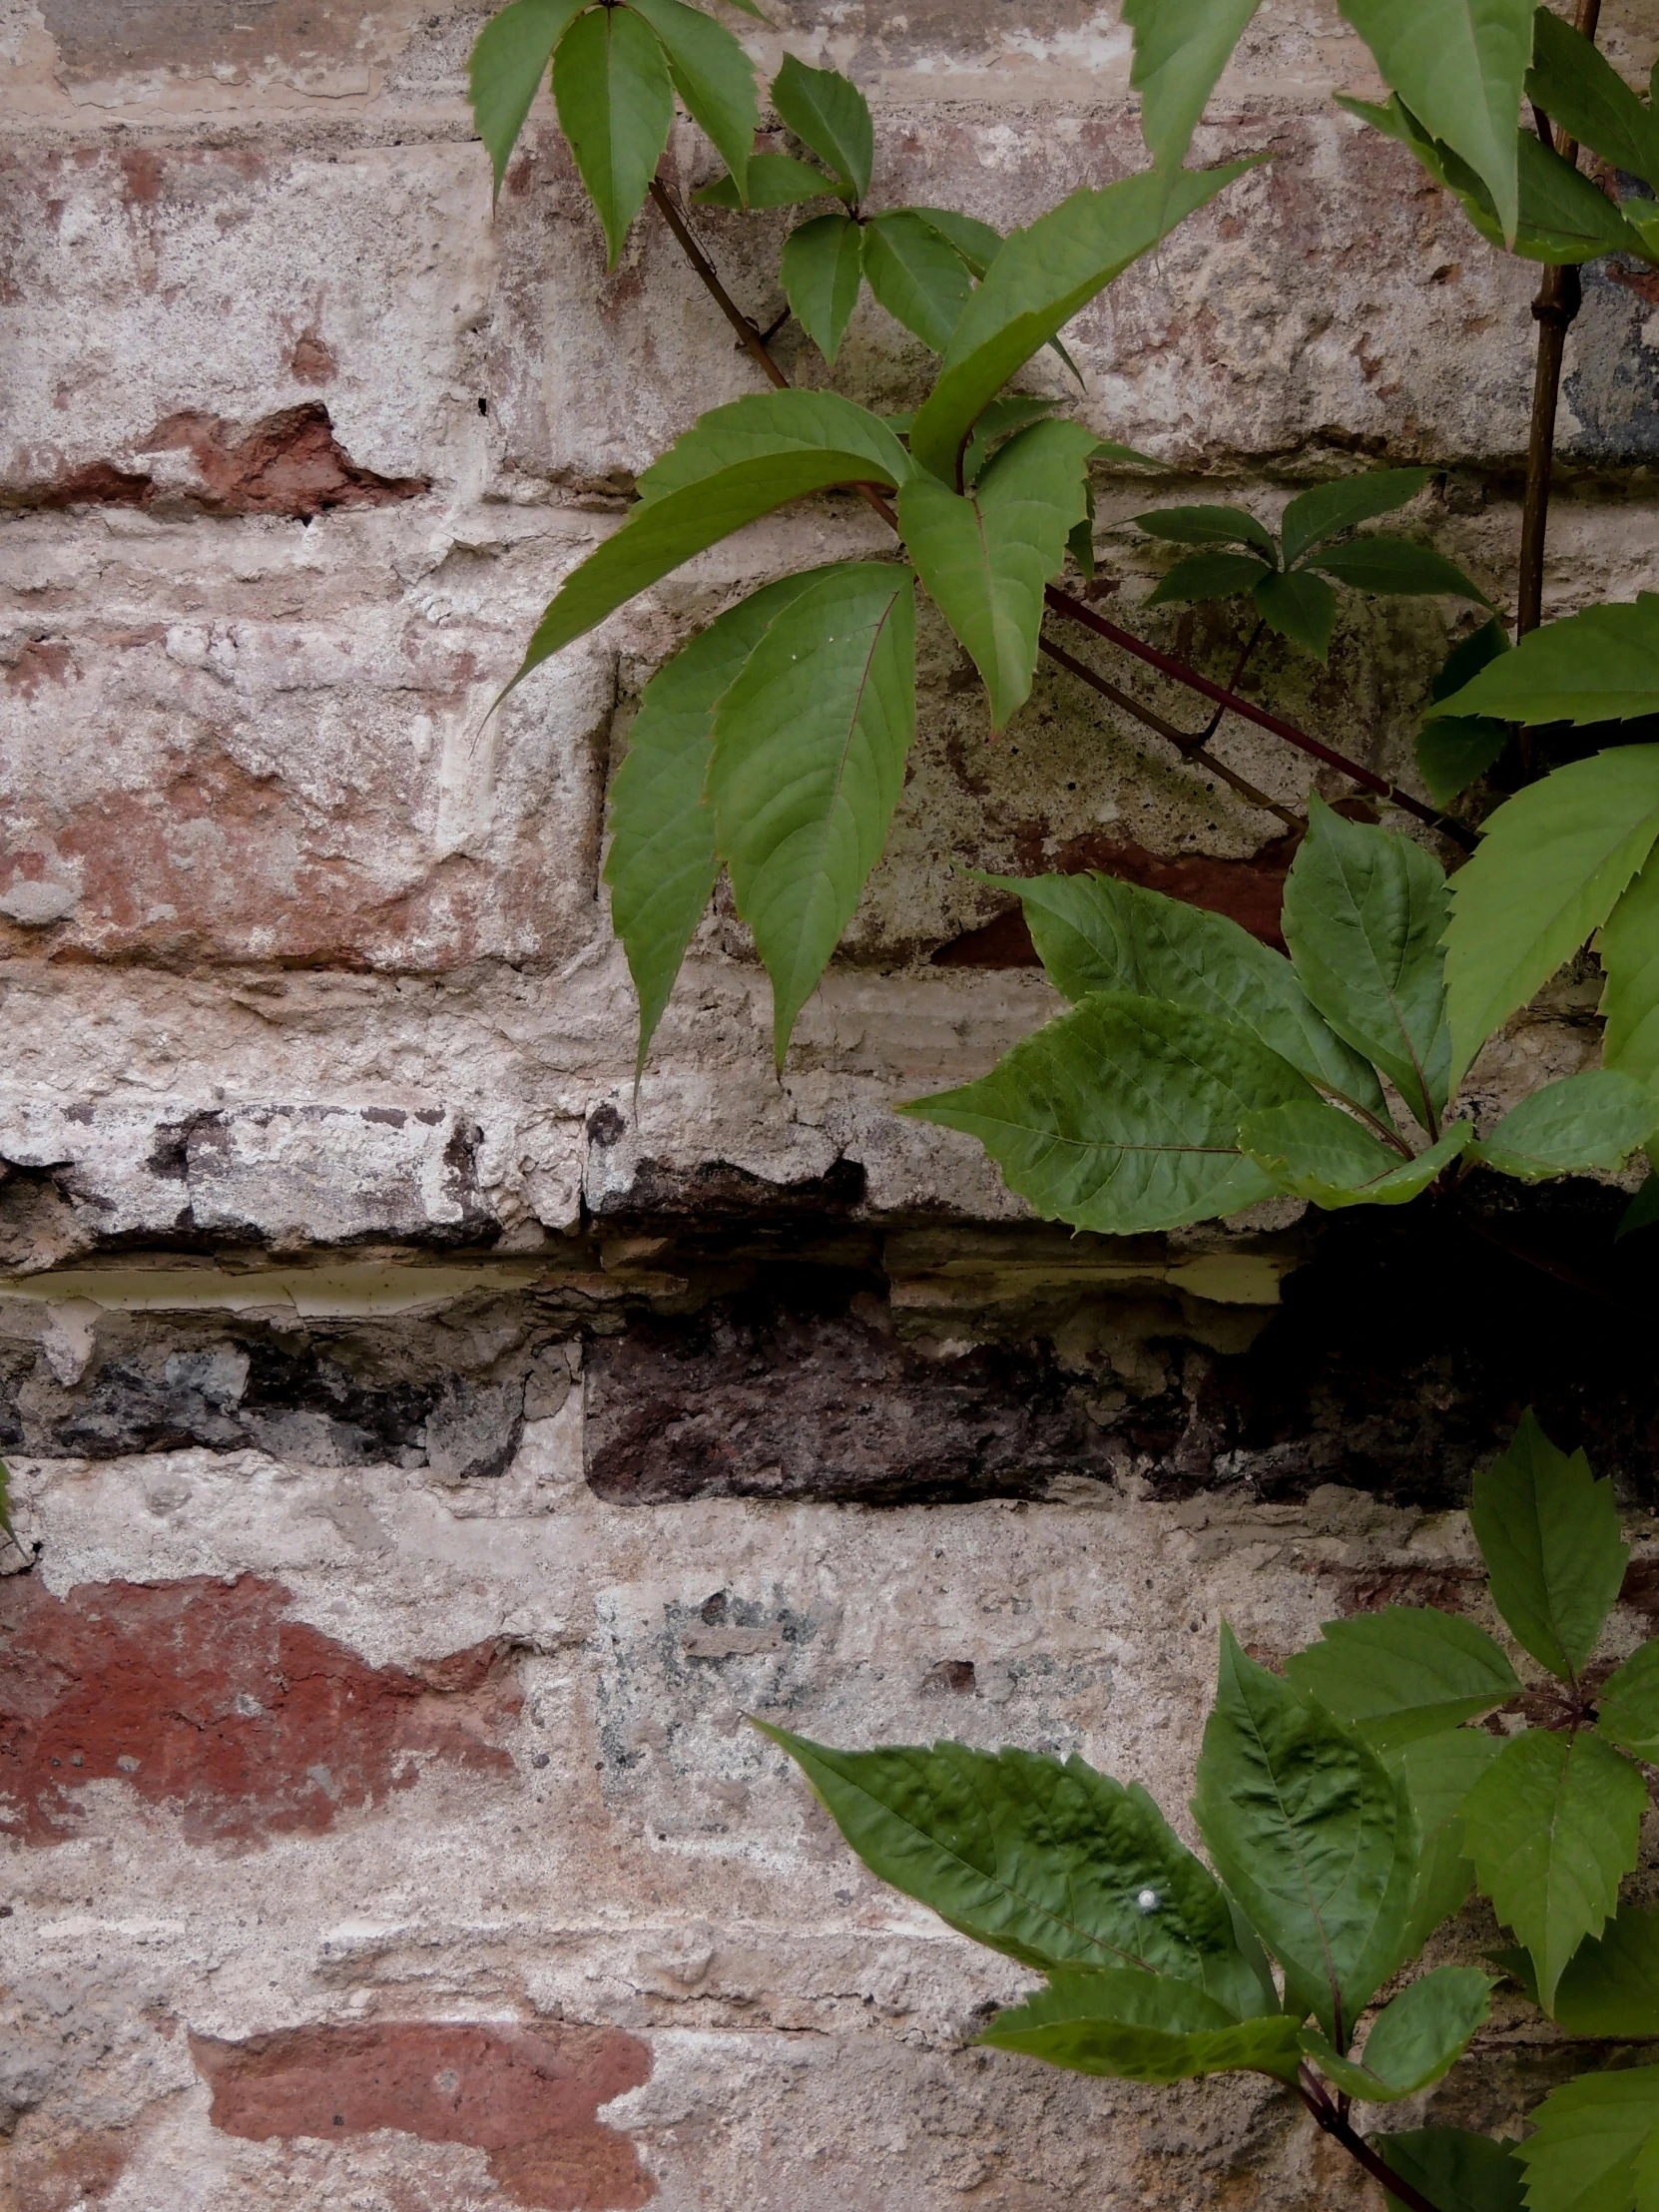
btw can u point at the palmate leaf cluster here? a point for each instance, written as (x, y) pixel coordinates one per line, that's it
(1347, 1806)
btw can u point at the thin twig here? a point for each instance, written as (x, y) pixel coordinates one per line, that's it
(1333, 2124)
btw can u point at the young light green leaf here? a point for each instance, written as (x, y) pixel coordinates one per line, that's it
(1209, 576)
(771, 427)
(1611, 1983)
(1572, 1127)
(1038, 282)
(985, 557)
(1598, 666)
(509, 60)
(1553, 862)
(1629, 948)
(1594, 2143)
(1363, 913)
(1123, 1115)
(1181, 49)
(1627, 1711)
(1310, 1832)
(774, 181)
(1454, 2170)
(1318, 1152)
(1207, 526)
(1142, 2027)
(616, 107)
(1413, 2040)
(713, 75)
(662, 864)
(1583, 94)
(819, 272)
(1439, 1772)
(1549, 1534)
(916, 274)
(1454, 750)
(809, 746)
(1406, 1672)
(1043, 1859)
(1314, 516)
(978, 243)
(1302, 608)
(1393, 565)
(1458, 65)
(1095, 934)
(829, 113)
(1552, 1827)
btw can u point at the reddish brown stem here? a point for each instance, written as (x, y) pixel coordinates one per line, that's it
(1333, 2124)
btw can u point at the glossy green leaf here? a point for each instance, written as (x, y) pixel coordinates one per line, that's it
(662, 864)
(1549, 1534)
(1395, 565)
(1096, 934)
(1453, 751)
(1598, 666)
(1414, 2040)
(1310, 1832)
(616, 107)
(1142, 2027)
(1553, 864)
(1406, 1672)
(1123, 1114)
(1439, 1772)
(1629, 949)
(737, 463)
(1627, 1711)
(917, 275)
(809, 746)
(509, 60)
(1572, 1127)
(1043, 1859)
(819, 272)
(829, 113)
(1454, 2170)
(1458, 65)
(1299, 606)
(1207, 526)
(1611, 1984)
(1551, 1828)
(1314, 516)
(1038, 282)
(985, 558)
(713, 75)
(1583, 94)
(1364, 914)
(774, 181)
(1318, 1152)
(1181, 49)
(1207, 576)
(1593, 2145)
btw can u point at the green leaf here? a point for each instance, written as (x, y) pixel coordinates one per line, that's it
(1300, 608)
(1611, 1984)
(1323, 513)
(1395, 565)
(917, 275)
(1439, 1772)
(1123, 1115)
(1598, 666)
(1207, 526)
(1549, 1534)
(1043, 1859)
(978, 243)
(774, 181)
(1000, 420)
(1318, 1152)
(1582, 93)
(713, 75)
(1209, 576)
(616, 107)
(1406, 1672)
(1310, 1832)
(1592, 2145)
(1095, 934)
(1627, 1711)
(1552, 1827)
(1142, 2027)
(1454, 2170)
(986, 558)
(809, 746)
(1458, 65)
(1643, 1209)
(738, 463)
(1038, 282)
(819, 272)
(662, 864)
(1181, 49)
(1629, 948)
(1414, 2040)
(1363, 913)
(829, 113)
(6, 1501)
(1550, 868)
(1453, 751)
(1572, 1127)
(509, 59)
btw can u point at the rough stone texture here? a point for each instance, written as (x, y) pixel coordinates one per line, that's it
(428, 1445)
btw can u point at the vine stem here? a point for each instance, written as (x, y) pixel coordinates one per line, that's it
(1333, 2123)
